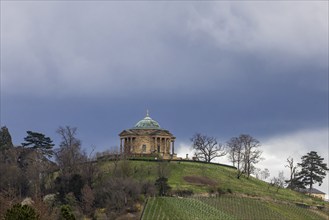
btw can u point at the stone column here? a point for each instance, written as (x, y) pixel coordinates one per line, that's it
(130, 143)
(165, 145)
(125, 146)
(125, 149)
(153, 145)
(120, 146)
(156, 144)
(173, 148)
(161, 144)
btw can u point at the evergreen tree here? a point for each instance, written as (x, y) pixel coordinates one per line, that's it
(162, 185)
(66, 213)
(20, 212)
(313, 170)
(295, 183)
(5, 139)
(39, 142)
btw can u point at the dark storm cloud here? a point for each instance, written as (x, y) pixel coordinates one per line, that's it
(98, 48)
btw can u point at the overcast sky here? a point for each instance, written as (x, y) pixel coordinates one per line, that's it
(220, 68)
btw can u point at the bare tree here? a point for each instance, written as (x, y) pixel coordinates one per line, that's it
(207, 148)
(265, 174)
(293, 171)
(88, 200)
(69, 155)
(68, 135)
(90, 168)
(116, 193)
(279, 181)
(251, 154)
(235, 154)
(244, 153)
(257, 172)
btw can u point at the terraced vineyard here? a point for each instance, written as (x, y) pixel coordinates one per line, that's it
(225, 207)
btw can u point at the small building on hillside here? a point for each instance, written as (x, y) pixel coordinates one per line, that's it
(314, 192)
(147, 138)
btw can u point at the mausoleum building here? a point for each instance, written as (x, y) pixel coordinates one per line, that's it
(147, 138)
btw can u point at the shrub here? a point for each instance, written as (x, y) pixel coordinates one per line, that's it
(136, 207)
(211, 190)
(220, 191)
(66, 212)
(18, 212)
(162, 186)
(183, 192)
(229, 191)
(302, 205)
(148, 188)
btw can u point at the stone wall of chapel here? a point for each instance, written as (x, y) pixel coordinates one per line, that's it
(150, 146)
(140, 141)
(132, 141)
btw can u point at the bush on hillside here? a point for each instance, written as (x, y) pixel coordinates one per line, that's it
(302, 205)
(162, 186)
(220, 191)
(183, 192)
(18, 212)
(66, 212)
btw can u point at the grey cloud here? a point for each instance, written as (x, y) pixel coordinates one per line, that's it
(286, 27)
(96, 49)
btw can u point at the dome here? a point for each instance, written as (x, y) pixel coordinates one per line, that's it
(147, 123)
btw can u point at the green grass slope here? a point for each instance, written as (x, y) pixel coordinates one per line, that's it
(224, 177)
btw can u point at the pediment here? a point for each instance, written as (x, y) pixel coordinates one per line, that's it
(127, 132)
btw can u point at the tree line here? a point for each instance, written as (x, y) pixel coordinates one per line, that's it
(244, 153)
(65, 182)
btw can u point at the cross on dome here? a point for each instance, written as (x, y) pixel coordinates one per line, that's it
(147, 123)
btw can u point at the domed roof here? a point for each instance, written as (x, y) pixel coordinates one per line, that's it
(147, 123)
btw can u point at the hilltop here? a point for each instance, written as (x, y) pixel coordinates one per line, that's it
(201, 178)
(197, 181)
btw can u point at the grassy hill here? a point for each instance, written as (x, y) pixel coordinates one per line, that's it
(241, 197)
